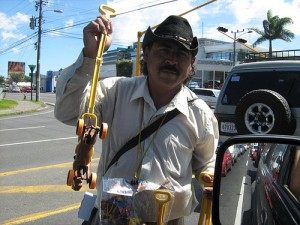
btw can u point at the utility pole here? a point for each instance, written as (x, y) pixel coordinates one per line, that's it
(38, 67)
(39, 6)
(234, 44)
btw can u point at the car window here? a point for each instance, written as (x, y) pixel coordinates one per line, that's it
(285, 83)
(275, 159)
(203, 92)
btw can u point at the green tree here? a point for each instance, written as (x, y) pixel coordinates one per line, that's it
(27, 78)
(16, 77)
(2, 79)
(274, 28)
(124, 67)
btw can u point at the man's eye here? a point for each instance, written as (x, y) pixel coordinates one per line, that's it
(164, 49)
(182, 54)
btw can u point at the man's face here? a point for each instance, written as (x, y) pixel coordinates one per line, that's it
(168, 63)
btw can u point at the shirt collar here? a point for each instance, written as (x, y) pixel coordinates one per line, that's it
(142, 91)
(180, 100)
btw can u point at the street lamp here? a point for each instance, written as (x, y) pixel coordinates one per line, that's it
(31, 67)
(235, 39)
(39, 4)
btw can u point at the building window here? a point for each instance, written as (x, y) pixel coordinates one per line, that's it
(220, 55)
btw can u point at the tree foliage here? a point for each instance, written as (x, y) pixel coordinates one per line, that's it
(274, 28)
(124, 67)
(16, 77)
(2, 79)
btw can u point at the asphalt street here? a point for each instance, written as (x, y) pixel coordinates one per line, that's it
(36, 153)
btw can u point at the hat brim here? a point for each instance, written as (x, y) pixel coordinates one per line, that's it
(151, 37)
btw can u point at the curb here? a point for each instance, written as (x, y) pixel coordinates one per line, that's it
(31, 109)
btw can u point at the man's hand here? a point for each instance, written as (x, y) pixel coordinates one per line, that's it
(206, 178)
(92, 35)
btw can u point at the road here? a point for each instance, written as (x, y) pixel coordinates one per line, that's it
(36, 154)
(235, 192)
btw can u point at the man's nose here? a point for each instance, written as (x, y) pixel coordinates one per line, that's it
(172, 58)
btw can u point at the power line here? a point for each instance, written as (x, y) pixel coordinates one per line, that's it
(78, 24)
(16, 44)
(145, 7)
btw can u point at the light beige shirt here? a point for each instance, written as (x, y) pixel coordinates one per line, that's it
(184, 145)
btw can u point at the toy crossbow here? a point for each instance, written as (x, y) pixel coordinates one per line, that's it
(87, 127)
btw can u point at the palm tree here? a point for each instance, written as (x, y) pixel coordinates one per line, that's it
(274, 28)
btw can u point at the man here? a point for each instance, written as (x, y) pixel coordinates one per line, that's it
(184, 145)
(294, 179)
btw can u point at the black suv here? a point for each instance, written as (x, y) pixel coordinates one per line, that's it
(260, 98)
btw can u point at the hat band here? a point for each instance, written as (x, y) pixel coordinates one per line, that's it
(180, 39)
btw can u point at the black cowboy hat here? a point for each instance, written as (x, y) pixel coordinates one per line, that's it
(175, 28)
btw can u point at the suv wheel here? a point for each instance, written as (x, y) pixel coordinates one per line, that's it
(263, 111)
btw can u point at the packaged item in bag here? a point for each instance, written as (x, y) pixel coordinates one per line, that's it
(124, 203)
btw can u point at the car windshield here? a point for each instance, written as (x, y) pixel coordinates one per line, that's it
(283, 82)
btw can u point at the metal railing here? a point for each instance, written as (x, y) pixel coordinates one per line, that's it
(274, 55)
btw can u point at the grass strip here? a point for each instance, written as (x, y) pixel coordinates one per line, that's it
(7, 104)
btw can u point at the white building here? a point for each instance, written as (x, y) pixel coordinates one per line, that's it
(214, 60)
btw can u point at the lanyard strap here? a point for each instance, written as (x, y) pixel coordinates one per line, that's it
(146, 132)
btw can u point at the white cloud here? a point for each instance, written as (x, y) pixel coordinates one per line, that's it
(12, 23)
(10, 35)
(242, 14)
(246, 12)
(127, 25)
(69, 22)
(16, 50)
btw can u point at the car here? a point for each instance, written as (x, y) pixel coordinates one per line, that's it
(242, 149)
(260, 98)
(14, 89)
(213, 84)
(193, 84)
(210, 96)
(234, 153)
(254, 153)
(272, 187)
(227, 163)
(26, 89)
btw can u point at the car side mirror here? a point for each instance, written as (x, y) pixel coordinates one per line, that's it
(246, 194)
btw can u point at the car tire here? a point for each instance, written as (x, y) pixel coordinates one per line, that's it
(263, 111)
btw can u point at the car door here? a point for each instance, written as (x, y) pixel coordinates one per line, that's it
(274, 204)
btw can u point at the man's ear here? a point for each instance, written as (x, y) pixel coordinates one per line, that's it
(145, 54)
(193, 60)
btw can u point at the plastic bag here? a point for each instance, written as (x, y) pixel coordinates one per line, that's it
(125, 204)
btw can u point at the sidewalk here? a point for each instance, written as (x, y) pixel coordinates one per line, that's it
(23, 107)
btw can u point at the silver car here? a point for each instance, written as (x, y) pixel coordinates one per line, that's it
(210, 96)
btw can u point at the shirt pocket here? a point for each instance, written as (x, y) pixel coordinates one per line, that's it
(178, 157)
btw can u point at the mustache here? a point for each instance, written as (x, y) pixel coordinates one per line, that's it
(170, 68)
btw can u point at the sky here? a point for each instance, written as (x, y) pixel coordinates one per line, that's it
(62, 41)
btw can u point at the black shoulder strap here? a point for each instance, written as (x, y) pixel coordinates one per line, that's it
(146, 132)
